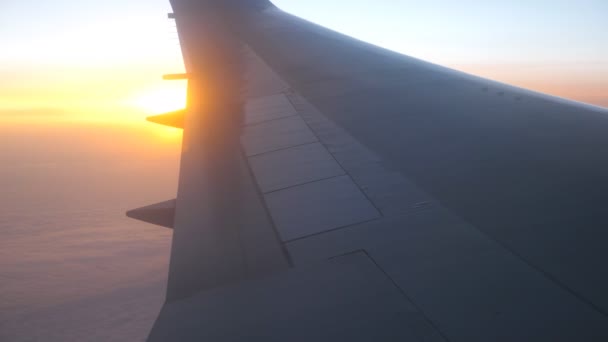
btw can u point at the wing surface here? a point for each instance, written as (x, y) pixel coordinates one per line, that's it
(333, 190)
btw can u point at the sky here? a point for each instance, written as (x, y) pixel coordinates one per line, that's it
(102, 61)
(73, 267)
(77, 79)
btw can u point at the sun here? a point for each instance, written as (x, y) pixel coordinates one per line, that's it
(158, 99)
(161, 98)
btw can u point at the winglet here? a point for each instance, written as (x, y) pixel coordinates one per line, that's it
(161, 214)
(173, 119)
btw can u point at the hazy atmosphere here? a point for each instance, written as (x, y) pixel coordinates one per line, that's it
(78, 78)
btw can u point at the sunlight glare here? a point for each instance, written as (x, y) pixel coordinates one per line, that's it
(169, 133)
(162, 98)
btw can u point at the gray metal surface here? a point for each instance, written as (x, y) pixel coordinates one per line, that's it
(275, 135)
(319, 206)
(260, 79)
(382, 183)
(387, 184)
(223, 232)
(268, 108)
(529, 170)
(344, 299)
(470, 286)
(294, 166)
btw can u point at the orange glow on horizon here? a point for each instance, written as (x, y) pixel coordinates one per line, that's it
(94, 98)
(159, 99)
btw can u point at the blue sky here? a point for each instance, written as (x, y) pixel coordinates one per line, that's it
(96, 54)
(461, 31)
(471, 30)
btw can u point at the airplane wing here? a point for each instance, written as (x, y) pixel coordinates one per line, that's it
(331, 190)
